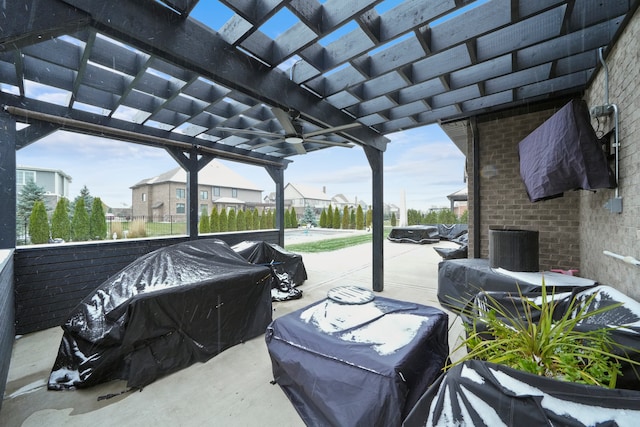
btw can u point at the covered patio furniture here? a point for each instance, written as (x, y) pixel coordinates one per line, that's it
(362, 364)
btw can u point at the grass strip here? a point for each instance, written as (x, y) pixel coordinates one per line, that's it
(330, 244)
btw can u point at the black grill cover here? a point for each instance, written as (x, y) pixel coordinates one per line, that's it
(478, 393)
(170, 308)
(564, 154)
(357, 364)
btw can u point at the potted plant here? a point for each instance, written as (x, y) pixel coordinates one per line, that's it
(543, 337)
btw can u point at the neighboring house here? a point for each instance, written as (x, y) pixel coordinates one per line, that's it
(55, 183)
(298, 196)
(340, 201)
(391, 209)
(459, 201)
(164, 197)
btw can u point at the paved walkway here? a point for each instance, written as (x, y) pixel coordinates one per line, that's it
(231, 389)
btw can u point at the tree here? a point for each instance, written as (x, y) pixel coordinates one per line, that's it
(323, 219)
(248, 218)
(214, 221)
(264, 219)
(39, 224)
(256, 219)
(60, 222)
(232, 222)
(308, 217)
(352, 219)
(86, 196)
(223, 220)
(359, 218)
(431, 217)
(464, 218)
(287, 218)
(329, 217)
(205, 222)
(293, 217)
(98, 220)
(29, 194)
(336, 218)
(272, 219)
(241, 222)
(446, 216)
(369, 218)
(345, 218)
(393, 219)
(80, 230)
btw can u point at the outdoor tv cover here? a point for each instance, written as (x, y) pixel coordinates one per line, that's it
(564, 154)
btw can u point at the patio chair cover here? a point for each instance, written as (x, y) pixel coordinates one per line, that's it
(287, 267)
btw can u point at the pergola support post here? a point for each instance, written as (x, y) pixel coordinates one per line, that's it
(192, 164)
(375, 158)
(277, 174)
(8, 178)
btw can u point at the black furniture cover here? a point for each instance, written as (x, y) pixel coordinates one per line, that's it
(452, 231)
(420, 234)
(459, 280)
(477, 393)
(287, 267)
(357, 364)
(165, 311)
(564, 154)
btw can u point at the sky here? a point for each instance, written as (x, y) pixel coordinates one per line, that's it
(422, 165)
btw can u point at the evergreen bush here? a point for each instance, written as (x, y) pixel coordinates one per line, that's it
(98, 220)
(39, 224)
(232, 221)
(214, 221)
(80, 230)
(359, 218)
(224, 225)
(60, 221)
(205, 223)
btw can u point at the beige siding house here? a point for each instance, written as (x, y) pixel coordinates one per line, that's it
(164, 197)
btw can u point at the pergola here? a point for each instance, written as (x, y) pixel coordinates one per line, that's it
(345, 73)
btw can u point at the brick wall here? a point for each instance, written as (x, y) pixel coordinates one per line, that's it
(503, 197)
(600, 229)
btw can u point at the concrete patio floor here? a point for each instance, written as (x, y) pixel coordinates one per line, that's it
(231, 389)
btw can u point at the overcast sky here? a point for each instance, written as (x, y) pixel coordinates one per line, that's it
(423, 163)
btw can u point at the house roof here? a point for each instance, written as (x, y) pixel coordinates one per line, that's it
(307, 192)
(150, 72)
(214, 174)
(460, 195)
(39, 169)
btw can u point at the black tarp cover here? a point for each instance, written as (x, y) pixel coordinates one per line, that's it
(477, 393)
(168, 309)
(459, 280)
(287, 267)
(420, 234)
(357, 364)
(564, 154)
